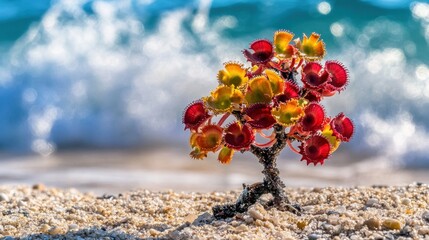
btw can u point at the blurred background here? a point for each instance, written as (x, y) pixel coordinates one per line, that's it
(92, 91)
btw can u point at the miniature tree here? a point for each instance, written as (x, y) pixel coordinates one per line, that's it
(267, 96)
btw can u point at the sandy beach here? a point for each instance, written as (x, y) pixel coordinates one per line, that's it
(379, 212)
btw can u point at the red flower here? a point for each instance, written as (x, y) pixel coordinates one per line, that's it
(260, 115)
(313, 96)
(194, 115)
(332, 78)
(311, 76)
(314, 117)
(238, 136)
(342, 127)
(315, 149)
(338, 74)
(291, 91)
(262, 52)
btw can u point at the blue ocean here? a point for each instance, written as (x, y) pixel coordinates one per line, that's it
(84, 74)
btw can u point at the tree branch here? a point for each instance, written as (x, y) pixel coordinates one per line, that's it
(272, 182)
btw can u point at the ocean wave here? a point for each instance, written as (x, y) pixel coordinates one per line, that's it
(106, 74)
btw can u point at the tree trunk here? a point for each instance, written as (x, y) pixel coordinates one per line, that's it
(272, 183)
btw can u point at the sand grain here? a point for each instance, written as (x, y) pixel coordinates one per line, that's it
(39, 212)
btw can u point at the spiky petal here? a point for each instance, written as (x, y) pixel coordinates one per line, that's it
(262, 52)
(291, 90)
(223, 98)
(313, 67)
(239, 136)
(342, 127)
(277, 82)
(259, 90)
(260, 115)
(315, 149)
(198, 154)
(233, 74)
(313, 96)
(312, 47)
(225, 155)
(288, 113)
(338, 75)
(314, 117)
(194, 115)
(210, 138)
(329, 135)
(312, 78)
(282, 46)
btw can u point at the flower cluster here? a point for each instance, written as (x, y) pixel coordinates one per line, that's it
(268, 93)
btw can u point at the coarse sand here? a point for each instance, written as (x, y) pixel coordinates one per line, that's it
(378, 212)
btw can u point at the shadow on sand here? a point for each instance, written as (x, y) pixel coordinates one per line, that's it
(99, 232)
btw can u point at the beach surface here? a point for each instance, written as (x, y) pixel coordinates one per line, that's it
(377, 212)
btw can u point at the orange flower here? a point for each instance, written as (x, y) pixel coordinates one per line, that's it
(281, 43)
(209, 139)
(311, 47)
(277, 82)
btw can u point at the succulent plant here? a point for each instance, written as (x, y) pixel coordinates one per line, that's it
(268, 96)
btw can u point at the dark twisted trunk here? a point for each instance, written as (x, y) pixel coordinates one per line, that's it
(272, 183)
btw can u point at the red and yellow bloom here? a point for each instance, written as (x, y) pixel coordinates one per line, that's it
(239, 136)
(223, 98)
(288, 113)
(266, 95)
(209, 139)
(282, 44)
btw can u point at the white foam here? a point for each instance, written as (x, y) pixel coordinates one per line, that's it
(106, 79)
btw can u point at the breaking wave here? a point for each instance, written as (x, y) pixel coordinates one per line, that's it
(119, 73)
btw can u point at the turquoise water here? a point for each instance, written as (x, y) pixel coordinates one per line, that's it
(117, 74)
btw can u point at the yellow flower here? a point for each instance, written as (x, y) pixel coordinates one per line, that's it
(289, 113)
(223, 98)
(233, 74)
(311, 47)
(259, 90)
(281, 43)
(277, 83)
